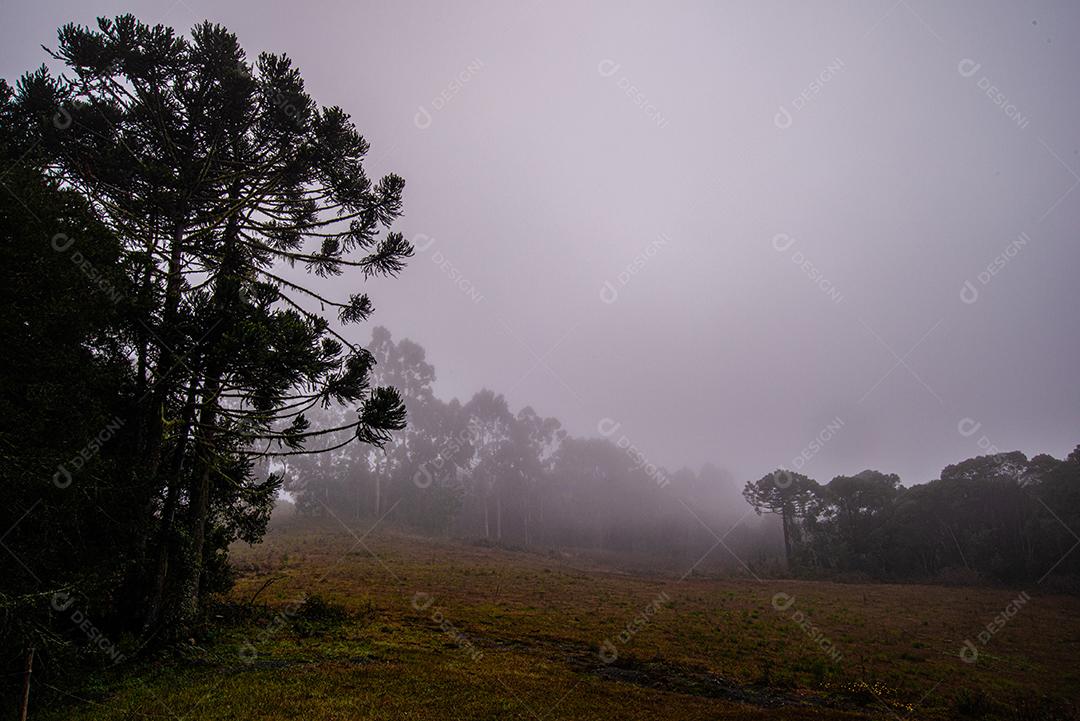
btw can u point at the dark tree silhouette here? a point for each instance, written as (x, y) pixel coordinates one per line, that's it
(216, 175)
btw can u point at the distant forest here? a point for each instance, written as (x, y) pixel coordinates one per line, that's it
(479, 470)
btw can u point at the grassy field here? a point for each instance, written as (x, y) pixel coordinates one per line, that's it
(400, 627)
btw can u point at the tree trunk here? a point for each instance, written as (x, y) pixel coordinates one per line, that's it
(226, 301)
(149, 432)
(785, 521)
(166, 542)
(200, 501)
(378, 495)
(25, 706)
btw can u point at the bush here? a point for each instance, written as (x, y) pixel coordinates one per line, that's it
(316, 616)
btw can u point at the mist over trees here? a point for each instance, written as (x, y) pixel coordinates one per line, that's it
(479, 470)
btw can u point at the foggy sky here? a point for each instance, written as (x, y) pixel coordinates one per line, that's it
(784, 204)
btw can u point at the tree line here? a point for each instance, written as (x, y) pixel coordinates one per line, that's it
(478, 470)
(1003, 517)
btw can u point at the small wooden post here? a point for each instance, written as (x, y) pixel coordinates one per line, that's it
(26, 684)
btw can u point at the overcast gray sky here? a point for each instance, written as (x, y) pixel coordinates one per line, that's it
(738, 229)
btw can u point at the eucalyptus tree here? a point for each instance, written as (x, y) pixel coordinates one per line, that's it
(492, 424)
(219, 176)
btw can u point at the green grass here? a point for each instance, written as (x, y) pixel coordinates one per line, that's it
(509, 635)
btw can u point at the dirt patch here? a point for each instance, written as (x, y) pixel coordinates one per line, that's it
(663, 675)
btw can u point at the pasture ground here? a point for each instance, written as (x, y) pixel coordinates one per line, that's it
(397, 626)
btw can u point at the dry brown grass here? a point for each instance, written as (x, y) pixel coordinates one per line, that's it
(452, 630)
